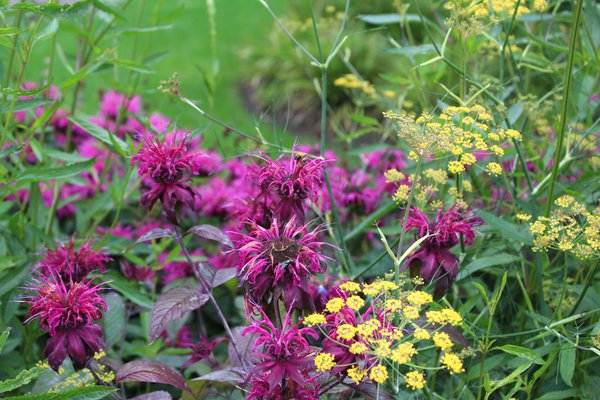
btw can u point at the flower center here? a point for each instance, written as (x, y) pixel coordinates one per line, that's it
(282, 249)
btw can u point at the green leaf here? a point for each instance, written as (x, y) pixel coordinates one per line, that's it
(560, 394)
(413, 50)
(484, 262)
(3, 338)
(522, 352)
(79, 75)
(512, 376)
(81, 393)
(133, 66)
(23, 378)
(135, 31)
(113, 321)
(482, 291)
(127, 288)
(23, 92)
(508, 230)
(48, 31)
(566, 364)
(107, 7)
(24, 105)
(37, 174)
(114, 143)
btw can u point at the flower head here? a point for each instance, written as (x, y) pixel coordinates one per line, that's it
(168, 165)
(283, 356)
(433, 261)
(280, 257)
(290, 184)
(73, 264)
(67, 313)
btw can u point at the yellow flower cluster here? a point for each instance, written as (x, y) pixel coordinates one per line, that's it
(387, 334)
(496, 10)
(458, 131)
(351, 81)
(570, 228)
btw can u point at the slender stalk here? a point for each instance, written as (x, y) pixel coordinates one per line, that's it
(11, 58)
(588, 282)
(405, 219)
(565, 106)
(208, 290)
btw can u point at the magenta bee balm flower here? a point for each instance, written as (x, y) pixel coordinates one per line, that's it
(434, 261)
(284, 361)
(168, 166)
(73, 264)
(67, 313)
(281, 258)
(289, 185)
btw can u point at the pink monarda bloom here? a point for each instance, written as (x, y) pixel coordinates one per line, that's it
(434, 261)
(289, 185)
(280, 258)
(67, 313)
(112, 103)
(168, 165)
(73, 264)
(283, 361)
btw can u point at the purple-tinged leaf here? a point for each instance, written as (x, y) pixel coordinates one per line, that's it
(212, 233)
(174, 304)
(155, 234)
(244, 345)
(159, 395)
(149, 371)
(224, 375)
(216, 277)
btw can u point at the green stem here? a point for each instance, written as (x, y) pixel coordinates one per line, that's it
(565, 106)
(588, 282)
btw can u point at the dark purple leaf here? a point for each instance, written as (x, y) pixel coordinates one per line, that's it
(216, 277)
(244, 345)
(149, 371)
(224, 375)
(212, 233)
(155, 234)
(160, 395)
(174, 304)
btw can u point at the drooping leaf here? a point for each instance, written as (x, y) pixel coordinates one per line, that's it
(485, 262)
(174, 304)
(224, 375)
(522, 352)
(113, 321)
(216, 277)
(38, 174)
(24, 105)
(212, 233)
(109, 8)
(149, 371)
(101, 134)
(568, 355)
(244, 344)
(155, 234)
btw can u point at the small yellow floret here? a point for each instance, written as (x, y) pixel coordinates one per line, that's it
(334, 305)
(452, 363)
(355, 302)
(324, 361)
(415, 380)
(442, 340)
(379, 374)
(314, 319)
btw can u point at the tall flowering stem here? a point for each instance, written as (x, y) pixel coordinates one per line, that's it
(404, 223)
(208, 290)
(563, 119)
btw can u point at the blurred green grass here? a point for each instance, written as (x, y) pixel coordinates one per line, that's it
(240, 24)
